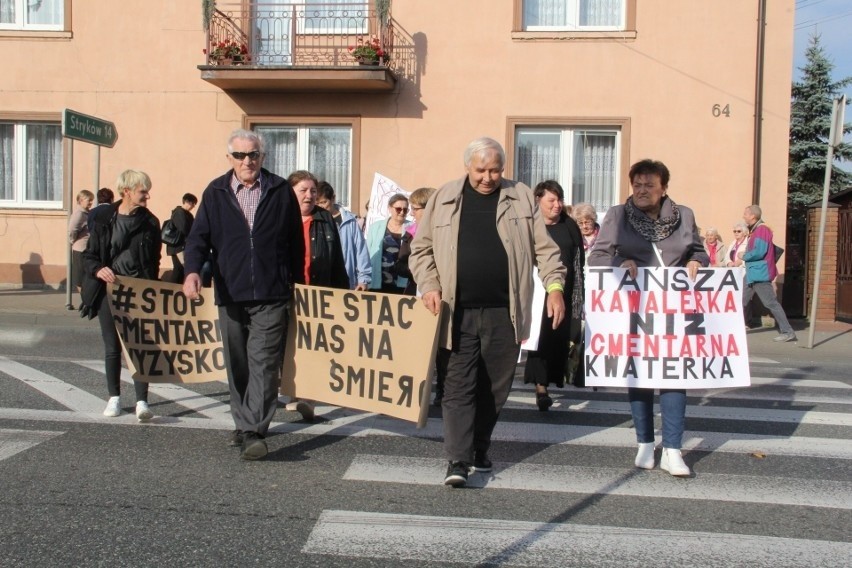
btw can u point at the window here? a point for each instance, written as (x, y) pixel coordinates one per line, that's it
(336, 17)
(584, 160)
(30, 165)
(568, 15)
(325, 150)
(32, 14)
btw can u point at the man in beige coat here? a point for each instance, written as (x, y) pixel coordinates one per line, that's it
(473, 260)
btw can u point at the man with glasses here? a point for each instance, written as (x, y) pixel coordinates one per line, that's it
(250, 221)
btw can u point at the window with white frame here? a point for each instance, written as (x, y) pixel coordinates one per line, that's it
(324, 150)
(32, 14)
(585, 161)
(574, 15)
(30, 165)
(335, 17)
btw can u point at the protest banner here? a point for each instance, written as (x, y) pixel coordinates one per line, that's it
(536, 315)
(362, 350)
(167, 338)
(381, 192)
(664, 330)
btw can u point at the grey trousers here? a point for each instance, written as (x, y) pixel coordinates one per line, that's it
(253, 335)
(480, 370)
(766, 293)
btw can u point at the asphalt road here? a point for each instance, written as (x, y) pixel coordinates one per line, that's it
(772, 484)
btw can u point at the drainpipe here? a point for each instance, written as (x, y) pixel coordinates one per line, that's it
(758, 99)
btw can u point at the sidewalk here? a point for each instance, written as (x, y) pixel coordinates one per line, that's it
(832, 340)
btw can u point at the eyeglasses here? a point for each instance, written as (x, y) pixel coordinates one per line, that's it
(415, 208)
(240, 156)
(403, 210)
(737, 231)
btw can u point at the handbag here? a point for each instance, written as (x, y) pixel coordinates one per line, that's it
(778, 251)
(170, 234)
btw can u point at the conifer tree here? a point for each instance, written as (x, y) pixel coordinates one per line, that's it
(810, 125)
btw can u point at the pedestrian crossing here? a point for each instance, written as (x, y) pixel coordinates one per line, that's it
(809, 418)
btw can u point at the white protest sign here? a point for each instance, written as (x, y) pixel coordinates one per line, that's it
(664, 330)
(536, 315)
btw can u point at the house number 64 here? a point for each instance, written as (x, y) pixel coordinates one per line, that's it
(719, 110)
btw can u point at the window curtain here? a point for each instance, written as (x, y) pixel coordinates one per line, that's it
(594, 169)
(540, 13)
(280, 149)
(7, 162)
(601, 12)
(538, 156)
(329, 157)
(273, 21)
(44, 163)
(45, 12)
(7, 11)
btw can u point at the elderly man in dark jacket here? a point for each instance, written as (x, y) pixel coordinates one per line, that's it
(249, 220)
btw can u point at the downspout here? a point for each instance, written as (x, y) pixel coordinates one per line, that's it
(758, 100)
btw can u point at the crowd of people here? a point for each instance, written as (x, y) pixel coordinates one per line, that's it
(474, 251)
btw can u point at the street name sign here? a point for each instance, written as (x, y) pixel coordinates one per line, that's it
(93, 130)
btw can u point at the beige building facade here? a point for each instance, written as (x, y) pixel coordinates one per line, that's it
(576, 90)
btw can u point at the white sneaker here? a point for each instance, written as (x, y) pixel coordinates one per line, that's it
(143, 413)
(113, 408)
(645, 456)
(672, 462)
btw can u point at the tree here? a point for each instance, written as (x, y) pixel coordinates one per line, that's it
(810, 125)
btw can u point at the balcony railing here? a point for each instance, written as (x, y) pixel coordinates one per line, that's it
(305, 34)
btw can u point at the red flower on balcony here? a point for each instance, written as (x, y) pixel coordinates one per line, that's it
(222, 51)
(368, 52)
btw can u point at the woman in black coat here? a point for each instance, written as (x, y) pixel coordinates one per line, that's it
(547, 364)
(125, 241)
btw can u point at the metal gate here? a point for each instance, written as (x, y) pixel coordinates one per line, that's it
(844, 264)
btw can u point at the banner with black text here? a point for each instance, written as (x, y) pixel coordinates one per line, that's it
(362, 350)
(664, 330)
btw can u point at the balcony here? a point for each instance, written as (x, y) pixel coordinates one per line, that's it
(304, 46)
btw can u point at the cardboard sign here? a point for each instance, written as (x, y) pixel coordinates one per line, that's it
(663, 330)
(167, 338)
(362, 350)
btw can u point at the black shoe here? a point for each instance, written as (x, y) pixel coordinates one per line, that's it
(481, 461)
(439, 396)
(457, 473)
(235, 440)
(254, 447)
(543, 400)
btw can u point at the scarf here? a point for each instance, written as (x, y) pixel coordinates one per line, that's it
(711, 250)
(652, 230)
(590, 243)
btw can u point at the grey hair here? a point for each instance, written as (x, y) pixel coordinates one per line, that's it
(712, 231)
(249, 135)
(131, 179)
(584, 211)
(741, 225)
(481, 147)
(755, 210)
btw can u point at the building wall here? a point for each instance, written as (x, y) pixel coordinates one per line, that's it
(135, 63)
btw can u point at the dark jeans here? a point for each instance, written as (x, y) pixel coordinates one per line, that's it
(253, 335)
(177, 274)
(112, 354)
(672, 408)
(480, 369)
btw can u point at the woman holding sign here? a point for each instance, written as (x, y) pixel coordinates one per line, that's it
(125, 241)
(546, 365)
(651, 230)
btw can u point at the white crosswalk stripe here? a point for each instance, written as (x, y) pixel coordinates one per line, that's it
(478, 542)
(810, 414)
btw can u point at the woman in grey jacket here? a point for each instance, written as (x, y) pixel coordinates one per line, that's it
(652, 230)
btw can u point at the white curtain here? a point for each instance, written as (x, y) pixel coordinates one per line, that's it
(280, 149)
(329, 158)
(44, 163)
(7, 11)
(7, 161)
(538, 156)
(594, 179)
(601, 12)
(45, 12)
(540, 13)
(273, 20)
